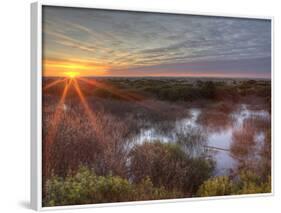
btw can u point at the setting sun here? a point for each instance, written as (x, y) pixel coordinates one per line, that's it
(71, 74)
(72, 68)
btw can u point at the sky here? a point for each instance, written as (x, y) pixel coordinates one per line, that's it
(120, 43)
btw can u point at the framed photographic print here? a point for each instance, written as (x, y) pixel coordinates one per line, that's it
(132, 106)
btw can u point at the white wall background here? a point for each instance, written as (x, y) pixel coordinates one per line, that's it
(15, 107)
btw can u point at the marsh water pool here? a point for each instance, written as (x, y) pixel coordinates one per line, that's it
(217, 141)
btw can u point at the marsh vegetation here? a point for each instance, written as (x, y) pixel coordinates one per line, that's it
(128, 139)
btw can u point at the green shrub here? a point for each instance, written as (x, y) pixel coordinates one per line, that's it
(246, 183)
(249, 183)
(85, 187)
(216, 186)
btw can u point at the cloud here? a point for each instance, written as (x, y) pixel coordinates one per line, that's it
(124, 40)
(259, 67)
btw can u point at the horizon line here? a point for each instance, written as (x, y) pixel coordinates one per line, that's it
(151, 76)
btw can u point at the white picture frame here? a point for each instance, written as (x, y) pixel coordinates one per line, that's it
(36, 103)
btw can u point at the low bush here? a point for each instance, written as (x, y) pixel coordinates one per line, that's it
(245, 183)
(85, 187)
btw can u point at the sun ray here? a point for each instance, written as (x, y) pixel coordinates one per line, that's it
(86, 106)
(125, 95)
(53, 128)
(59, 109)
(129, 96)
(54, 83)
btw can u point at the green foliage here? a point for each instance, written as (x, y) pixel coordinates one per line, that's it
(250, 183)
(246, 183)
(85, 187)
(145, 190)
(216, 186)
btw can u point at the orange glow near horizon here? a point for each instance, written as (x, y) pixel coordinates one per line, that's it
(60, 68)
(72, 74)
(75, 68)
(87, 67)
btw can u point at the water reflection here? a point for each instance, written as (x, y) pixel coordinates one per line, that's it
(243, 113)
(229, 138)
